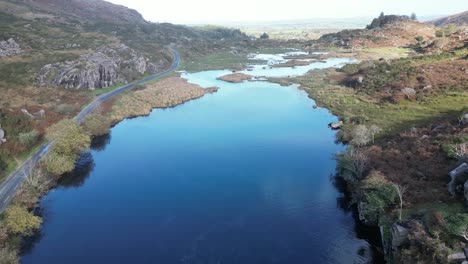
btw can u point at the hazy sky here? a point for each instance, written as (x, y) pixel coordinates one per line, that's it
(193, 11)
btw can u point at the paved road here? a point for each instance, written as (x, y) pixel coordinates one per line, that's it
(9, 186)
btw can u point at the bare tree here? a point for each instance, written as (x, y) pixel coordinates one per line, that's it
(374, 130)
(361, 136)
(401, 189)
(354, 161)
(461, 150)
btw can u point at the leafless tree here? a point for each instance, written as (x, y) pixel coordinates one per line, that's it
(374, 130)
(361, 136)
(461, 150)
(354, 161)
(401, 189)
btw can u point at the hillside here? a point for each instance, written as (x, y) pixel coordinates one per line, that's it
(460, 19)
(384, 31)
(54, 54)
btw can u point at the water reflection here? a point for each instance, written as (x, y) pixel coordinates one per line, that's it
(368, 233)
(76, 178)
(100, 143)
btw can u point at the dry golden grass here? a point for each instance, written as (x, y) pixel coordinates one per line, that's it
(168, 92)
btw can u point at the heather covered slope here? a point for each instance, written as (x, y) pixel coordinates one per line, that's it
(384, 31)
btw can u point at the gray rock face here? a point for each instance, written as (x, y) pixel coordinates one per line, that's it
(399, 235)
(9, 48)
(2, 136)
(464, 119)
(105, 67)
(458, 176)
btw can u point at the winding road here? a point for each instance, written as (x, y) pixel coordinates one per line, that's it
(10, 185)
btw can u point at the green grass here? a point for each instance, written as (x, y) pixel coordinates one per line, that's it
(386, 53)
(444, 208)
(346, 103)
(215, 61)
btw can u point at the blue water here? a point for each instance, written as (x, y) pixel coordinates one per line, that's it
(240, 176)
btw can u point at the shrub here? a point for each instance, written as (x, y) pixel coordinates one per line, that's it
(361, 135)
(352, 163)
(19, 220)
(65, 109)
(29, 138)
(97, 125)
(457, 225)
(377, 195)
(8, 256)
(264, 36)
(69, 141)
(58, 164)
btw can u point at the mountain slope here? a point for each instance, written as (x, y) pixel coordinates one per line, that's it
(384, 31)
(53, 53)
(460, 19)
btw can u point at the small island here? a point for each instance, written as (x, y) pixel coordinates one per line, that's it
(235, 77)
(293, 63)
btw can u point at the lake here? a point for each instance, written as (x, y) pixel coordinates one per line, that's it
(244, 175)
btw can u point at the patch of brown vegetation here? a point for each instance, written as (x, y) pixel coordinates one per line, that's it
(235, 77)
(165, 93)
(416, 160)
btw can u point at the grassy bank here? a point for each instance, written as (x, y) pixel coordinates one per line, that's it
(400, 115)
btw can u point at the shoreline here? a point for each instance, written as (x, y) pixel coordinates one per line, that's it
(29, 199)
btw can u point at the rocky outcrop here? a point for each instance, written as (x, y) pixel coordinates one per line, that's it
(2, 136)
(9, 48)
(399, 235)
(464, 119)
(458, 177)
(105, 67)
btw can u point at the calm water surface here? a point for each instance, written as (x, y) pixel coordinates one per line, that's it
(240, 176)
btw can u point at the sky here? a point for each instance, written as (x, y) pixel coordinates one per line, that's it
(206, 11)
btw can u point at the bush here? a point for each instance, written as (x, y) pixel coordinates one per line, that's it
(264, 36)
(58, 164)
(457, 225)
(29, 138)
(69, 141)
(97, 125)
(377, 195)
(65, 109)
(19, 220)
(8, 256)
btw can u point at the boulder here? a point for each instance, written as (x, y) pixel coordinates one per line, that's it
(464, 119)
(26, 113)
(458, 176)
(399, 235)
(40, 113)
(2, 136)
(409, 92)
(360, 79)
(9, 48)
(336, 125)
